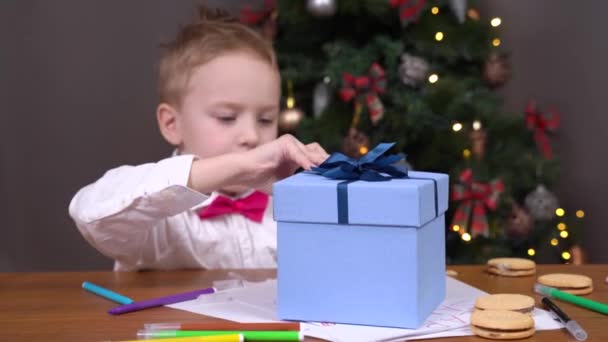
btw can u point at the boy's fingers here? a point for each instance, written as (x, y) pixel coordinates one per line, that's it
(298, 154)
(309, 155)
(317, 153)
(304, 150)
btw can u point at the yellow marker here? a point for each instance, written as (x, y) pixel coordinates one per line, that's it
(217, 338)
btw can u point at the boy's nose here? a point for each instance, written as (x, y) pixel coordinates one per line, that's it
(249, 136)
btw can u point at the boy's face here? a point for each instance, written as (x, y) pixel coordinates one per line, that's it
(232, 105)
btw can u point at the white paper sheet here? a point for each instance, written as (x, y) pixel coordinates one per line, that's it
(256, 302)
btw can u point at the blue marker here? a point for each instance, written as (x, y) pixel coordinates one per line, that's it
(100, 291)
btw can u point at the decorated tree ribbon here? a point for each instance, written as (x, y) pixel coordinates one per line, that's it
(541, 124)
(476, 197)
(251, 17)
(409, 10)
(365, 90)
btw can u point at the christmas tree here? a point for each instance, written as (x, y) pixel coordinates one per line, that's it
(424, 74)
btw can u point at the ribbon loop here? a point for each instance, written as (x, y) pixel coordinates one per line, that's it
(373, 167)
(251, 17)
(542, 123)
(474, 197)
(409, 10)
(365, 90)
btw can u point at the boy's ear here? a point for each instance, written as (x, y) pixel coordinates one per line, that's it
(168, 122)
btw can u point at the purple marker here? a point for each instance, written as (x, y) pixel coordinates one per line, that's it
(152, 303)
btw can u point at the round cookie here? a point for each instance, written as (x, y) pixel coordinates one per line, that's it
(512, 267)
(572, 283)
(506, 301)
(501, 324)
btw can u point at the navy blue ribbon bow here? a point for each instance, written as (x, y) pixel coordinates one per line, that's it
(374, 166)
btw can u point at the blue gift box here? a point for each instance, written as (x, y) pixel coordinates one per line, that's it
(378, 259)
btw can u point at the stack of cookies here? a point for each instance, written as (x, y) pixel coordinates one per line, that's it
(503, 316)
(502, 324)
(512, 267)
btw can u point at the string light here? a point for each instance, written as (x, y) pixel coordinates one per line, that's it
(496, 42)
(435, 10)
(566, 255)
(531, 252)
(456, 228)
(363, 150)
(580, 213)
(563, 234)
(433, 78)
(466, 237)
(466, 153)
(495, 22)
(561, 226)
(457, 127)
(554, 242)
(477, 125)
(439, 36)
(290, 102)
(560, 212)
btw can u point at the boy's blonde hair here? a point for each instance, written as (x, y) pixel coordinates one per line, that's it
(214, 34)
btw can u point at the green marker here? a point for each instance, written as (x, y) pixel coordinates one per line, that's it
(570, 298)
(278, 336)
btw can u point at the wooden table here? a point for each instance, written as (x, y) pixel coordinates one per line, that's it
(53, 307)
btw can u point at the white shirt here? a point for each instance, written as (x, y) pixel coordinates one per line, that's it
(145, 217)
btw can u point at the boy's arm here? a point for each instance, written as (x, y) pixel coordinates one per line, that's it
(256, 168)
(116, 213)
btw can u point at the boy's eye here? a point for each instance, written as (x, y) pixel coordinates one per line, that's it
(226, 118)
(266, 121)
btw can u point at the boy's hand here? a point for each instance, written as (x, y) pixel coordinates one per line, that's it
(258, 168)
(278, 159)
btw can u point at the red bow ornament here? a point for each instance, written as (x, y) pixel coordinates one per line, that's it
(474, 196)
(365, 90)
(541, 124)
(251, 17)
(409, 10)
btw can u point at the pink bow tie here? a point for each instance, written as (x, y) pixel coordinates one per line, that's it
(252, 207)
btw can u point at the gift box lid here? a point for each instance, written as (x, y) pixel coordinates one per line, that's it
(411, 201)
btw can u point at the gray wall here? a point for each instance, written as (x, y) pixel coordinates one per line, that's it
(79, 77)
(559, 55)
(77, 86)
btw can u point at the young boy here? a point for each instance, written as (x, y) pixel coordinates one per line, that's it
(219, 100)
